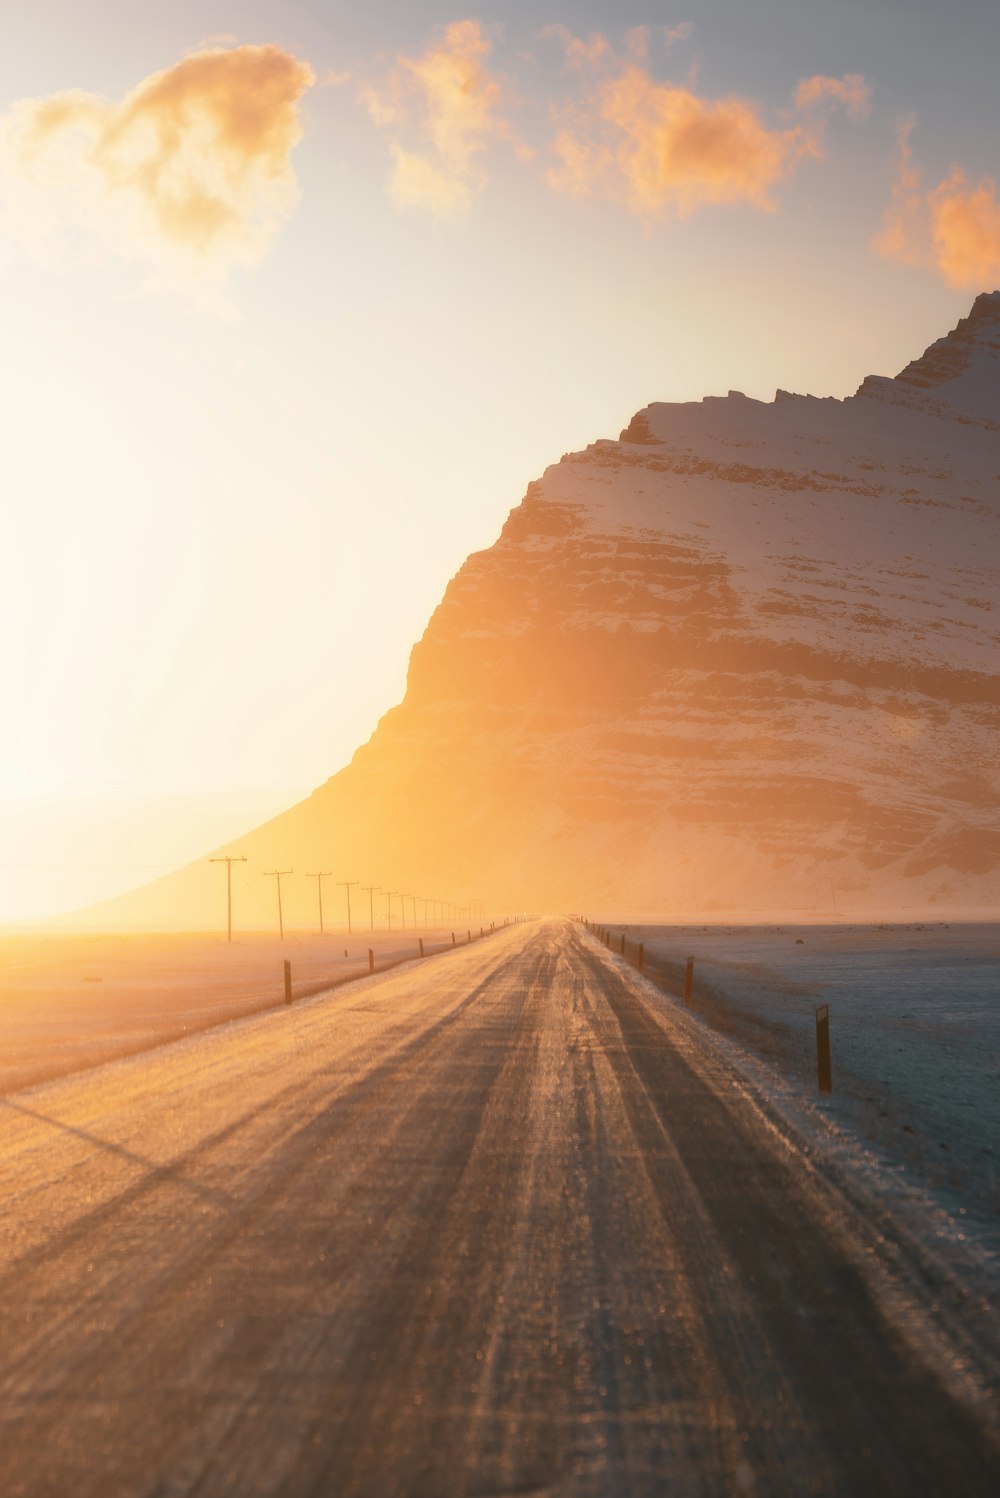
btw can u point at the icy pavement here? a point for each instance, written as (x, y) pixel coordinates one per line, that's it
(506, 1222)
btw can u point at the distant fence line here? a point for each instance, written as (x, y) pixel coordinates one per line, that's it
(667, 976)
(424, 950)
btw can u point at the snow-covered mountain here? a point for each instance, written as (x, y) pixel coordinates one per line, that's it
(743, 658)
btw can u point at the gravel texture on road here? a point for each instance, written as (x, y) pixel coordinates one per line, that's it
(508, 1222)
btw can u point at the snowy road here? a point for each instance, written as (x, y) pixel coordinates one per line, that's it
(501, 1223)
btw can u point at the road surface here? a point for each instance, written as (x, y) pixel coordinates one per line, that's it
(501, 1223)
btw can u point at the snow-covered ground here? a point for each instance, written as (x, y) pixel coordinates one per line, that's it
(915, 1030)
(70, 1002)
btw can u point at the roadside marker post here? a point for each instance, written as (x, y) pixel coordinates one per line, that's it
(468, 937)
(371, 960)
(421, 941)
(689, 981)
(453, 941)
(288, 982)
(824, 1072)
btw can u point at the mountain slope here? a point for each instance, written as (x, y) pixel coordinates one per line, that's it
(743, 658)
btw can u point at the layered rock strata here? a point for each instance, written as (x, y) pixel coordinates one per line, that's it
(742, 659)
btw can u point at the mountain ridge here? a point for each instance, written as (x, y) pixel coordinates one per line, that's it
(747, 650)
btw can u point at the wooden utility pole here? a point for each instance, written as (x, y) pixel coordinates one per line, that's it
(348, 884)
(319, 889)
(389, 896)
(369, 890)
(229, 860)
(279, 875)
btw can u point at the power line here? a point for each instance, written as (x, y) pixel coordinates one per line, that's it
(229, 860)
(328, 874)
(348, 884)
(278, 874)
(369, 890)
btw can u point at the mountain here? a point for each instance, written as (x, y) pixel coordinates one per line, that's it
(743, 658)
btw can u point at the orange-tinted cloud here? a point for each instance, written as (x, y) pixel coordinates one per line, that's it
(900, 237)
(579, 52)
(965, 231)
(853, 91)
(450, 101)
(953, 228)
(191, 169)
(660, 146)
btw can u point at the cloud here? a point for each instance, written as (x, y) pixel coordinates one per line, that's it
(579, 53)
(190, 172)
(952, 229)
(450, 101)
(903, 230)
(965, 231)
(853, 91)
(661, 146)
(682, 32)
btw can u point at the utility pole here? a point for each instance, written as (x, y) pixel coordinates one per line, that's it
(414, 898)
(369, 890)
(348, 884)
(278, 874)
(319, 890)
(388, 906)
(402, 909)
(229, 860)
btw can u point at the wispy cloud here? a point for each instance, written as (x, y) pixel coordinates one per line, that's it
(952, 228)
(191, 172)
(902, 236)
(579, 51)
(440, 110)
(853, 91)
(660, 146)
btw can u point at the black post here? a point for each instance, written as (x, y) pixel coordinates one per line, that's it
(288, 982)
(824, 1073)
(468, 937)
(371, 960)
(421, 941)
(689, 981)
(453, 941)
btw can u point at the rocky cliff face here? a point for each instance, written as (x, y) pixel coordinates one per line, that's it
(744, 658)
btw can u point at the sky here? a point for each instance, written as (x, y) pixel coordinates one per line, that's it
(297, 298)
